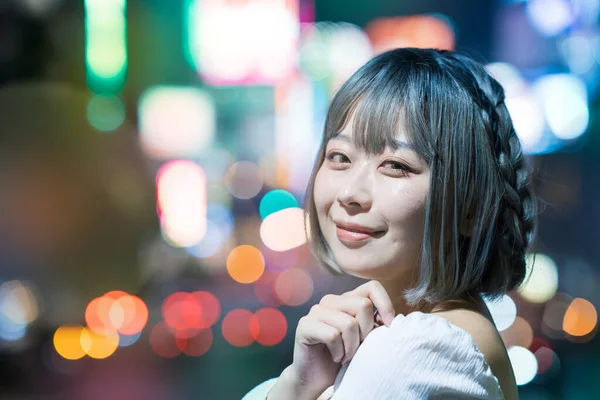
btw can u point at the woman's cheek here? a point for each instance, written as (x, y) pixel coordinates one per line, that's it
(323, 188)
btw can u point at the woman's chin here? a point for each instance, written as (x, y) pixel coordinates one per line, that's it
(359, 271)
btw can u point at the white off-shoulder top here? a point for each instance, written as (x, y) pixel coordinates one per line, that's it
(419, 356)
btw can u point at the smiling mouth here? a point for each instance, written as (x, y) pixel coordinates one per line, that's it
(353, 236)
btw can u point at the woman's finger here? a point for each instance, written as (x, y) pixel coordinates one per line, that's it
(311, 331)
(347, 325)
(374, 291)
(361, 308)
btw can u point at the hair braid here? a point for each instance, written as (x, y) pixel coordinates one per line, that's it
(517, 209)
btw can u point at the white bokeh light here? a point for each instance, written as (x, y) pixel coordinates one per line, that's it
(541, 282)
(524, 364)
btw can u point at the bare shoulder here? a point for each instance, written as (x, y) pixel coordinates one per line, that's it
(488, 340)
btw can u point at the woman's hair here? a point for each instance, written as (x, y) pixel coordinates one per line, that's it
(480, 211)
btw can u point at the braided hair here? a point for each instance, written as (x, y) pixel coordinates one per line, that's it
(480, 212)
(516, 208)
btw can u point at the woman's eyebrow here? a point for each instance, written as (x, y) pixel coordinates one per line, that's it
(399, 144)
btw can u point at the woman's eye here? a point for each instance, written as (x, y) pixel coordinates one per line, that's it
(340, 157)
(396, 165)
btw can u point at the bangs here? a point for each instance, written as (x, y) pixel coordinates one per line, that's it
(381, 107)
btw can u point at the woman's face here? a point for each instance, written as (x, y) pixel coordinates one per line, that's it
(385, 193)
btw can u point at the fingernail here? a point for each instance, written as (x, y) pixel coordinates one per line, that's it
(389, 317)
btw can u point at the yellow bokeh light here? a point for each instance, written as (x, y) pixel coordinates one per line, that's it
(67, 342)
(581, 318)
(245, 264)
(99, 345)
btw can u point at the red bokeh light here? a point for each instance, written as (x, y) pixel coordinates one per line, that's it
(268, 326)
(236, 328)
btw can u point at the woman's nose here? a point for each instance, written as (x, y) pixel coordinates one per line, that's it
(355, 191)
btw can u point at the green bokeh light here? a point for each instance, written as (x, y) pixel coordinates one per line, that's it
(106, 113)
(276, 200)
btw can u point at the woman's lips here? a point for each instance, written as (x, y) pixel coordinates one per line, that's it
(353, 237)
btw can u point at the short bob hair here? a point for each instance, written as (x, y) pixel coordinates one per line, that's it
(480, 210)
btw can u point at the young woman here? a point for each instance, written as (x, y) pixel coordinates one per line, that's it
(420, 187)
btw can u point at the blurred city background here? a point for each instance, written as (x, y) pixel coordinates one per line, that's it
(153, 161)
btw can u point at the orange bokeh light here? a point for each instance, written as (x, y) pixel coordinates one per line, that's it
(99, 345)
(245, 264)
(67, 342)
(422, 31)
(116, 311)
(580, 318)
(236, 328)
(268, 326)
(136, 315)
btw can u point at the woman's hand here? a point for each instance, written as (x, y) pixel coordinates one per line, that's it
(329, 336)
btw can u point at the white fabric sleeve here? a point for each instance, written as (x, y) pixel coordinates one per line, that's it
(420, 356)
(261, 390)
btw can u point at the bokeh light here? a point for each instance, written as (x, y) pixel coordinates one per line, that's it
(135, 315)
(550, 17)
(106, 113)
(294, 287)
(236, 328)
(578, 52)
(278, 261)
(116, 311)
(163, 342)
(295, 131)
(524, 364)
(257, 40)
(196, 345)
(519, 333)
(541, 282)
(580, 318)
(181, 197)
(176, 122)
(268, 326)
(67, 342)
(219, 226)
(276, 200)
(565, 103)
(210, 243)
(182, 311)
(18, 308)
(284, 229)
(186, 314)
(548, 362)
(99, 345)
(554, 315)
(424, 31)
(245, 264)
(503, 311)
(243, 180)
(106, 44)
(264, 289)
(211, 308)
(525, 109)
(129, 340)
